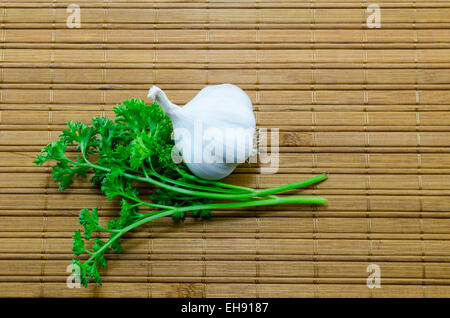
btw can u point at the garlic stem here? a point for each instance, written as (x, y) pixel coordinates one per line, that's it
(161, 98)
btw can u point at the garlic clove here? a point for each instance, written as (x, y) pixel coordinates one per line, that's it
(214, 131)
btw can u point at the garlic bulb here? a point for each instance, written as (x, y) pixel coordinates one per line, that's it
(214, 131)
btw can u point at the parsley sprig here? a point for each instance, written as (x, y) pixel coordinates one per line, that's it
(136, 147)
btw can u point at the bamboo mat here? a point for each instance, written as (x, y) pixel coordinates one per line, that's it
(370, 106)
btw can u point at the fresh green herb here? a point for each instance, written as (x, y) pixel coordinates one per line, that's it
(137, 147)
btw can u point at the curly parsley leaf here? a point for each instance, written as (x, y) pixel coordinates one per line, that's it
(89, 220)
(78, 243)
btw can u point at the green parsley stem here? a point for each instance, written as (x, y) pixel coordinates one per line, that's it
(290, 186)
(258, 202)
(190, 185)
(262, 202)
(160, 206)
(216, 183)
(101, 228)
(210, 195)
(126, 229)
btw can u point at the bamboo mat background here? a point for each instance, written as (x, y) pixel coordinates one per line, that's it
(369, 106)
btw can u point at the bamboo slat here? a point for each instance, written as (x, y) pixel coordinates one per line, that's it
(369, 106)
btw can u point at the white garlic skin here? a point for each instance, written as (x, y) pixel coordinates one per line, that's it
(225, 108)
